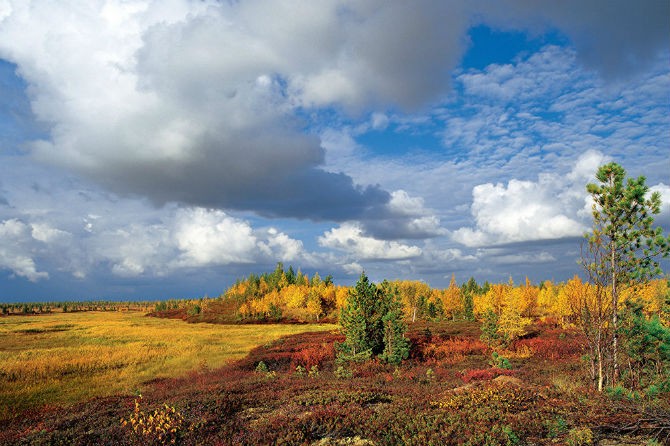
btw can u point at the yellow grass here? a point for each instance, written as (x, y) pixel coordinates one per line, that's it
(64, 358)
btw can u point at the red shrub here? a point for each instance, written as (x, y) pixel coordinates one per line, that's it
(369, 369)
(314, 355)
(484, 374)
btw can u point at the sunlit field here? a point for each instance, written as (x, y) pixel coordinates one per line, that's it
(64, 358)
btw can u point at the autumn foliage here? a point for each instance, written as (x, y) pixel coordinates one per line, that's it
(287, 296)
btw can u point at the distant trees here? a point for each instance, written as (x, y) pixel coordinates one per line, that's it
(621, 252)
(415, 297)
(284, 294)
(421, 302)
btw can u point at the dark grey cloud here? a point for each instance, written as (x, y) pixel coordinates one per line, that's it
(616, 37)
(246, 176)
(402, 53)
(84, 230)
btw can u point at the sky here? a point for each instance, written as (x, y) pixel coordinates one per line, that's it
(160, 149)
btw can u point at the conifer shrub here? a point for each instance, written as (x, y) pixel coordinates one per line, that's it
(500, 362)
(343, 373)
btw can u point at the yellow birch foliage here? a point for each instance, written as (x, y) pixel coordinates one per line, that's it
(512, 324)
(529, 297)
(565, 305)
(571, 298)
(546, 299)
(329, 296)
(493, 300)
(410, 295)
(651, 295)
(237, 289)
(452, 299)
(245, 310)
(576, 295)
(314, 305)
(264, 305)
(263, 287)
(341, 296)
(295, 296)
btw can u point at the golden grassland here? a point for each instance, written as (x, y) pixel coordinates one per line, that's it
(64, 358)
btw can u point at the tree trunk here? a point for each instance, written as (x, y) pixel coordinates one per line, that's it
(600, 369)
(593, 361)
(615, 320)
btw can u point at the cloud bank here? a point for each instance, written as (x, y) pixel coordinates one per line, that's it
(184, 136)
(201, 103)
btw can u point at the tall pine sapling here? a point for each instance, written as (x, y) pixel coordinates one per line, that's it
(623, 245)
(355, 346)
(490, 329)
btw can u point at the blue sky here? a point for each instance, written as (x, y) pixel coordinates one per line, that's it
(164, 149)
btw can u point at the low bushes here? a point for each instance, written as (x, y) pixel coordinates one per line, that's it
(553, 349)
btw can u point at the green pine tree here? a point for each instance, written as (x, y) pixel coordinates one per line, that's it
(646, 346)
(396, 345)
(372, 323)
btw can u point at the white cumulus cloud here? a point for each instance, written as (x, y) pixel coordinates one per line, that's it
(210, 236)
(552, 207)
(349, 237)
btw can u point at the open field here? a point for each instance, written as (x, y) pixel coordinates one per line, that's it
(447, 392)
(64, 358)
